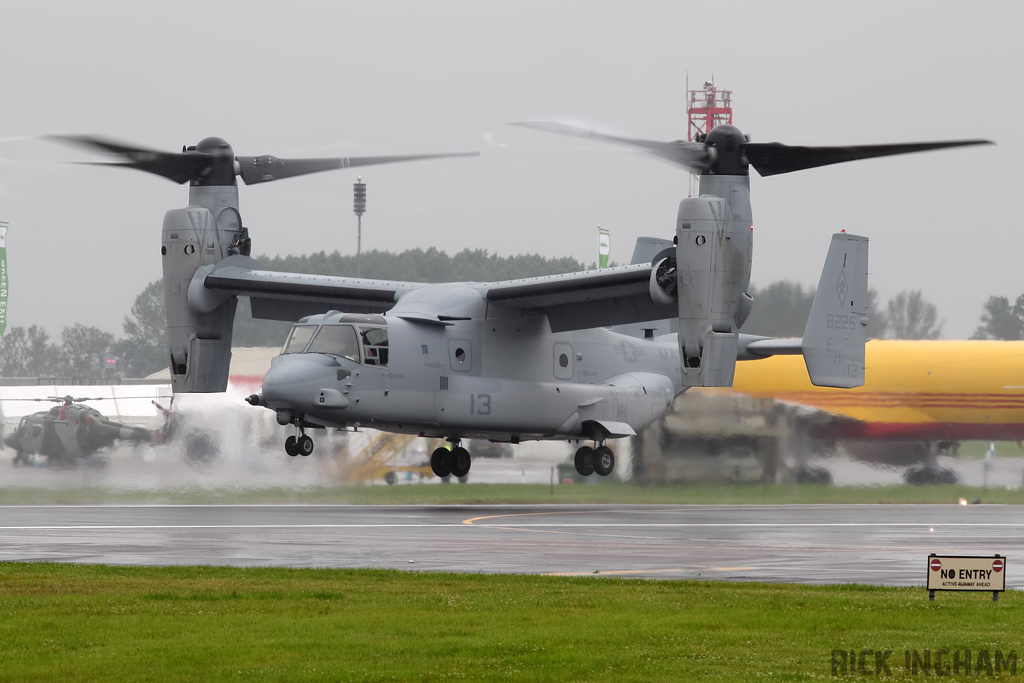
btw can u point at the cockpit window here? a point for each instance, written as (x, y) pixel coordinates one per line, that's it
(336, 340)
(375, 345)
(298, 338)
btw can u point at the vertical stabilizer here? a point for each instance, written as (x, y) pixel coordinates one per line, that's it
(833, 343)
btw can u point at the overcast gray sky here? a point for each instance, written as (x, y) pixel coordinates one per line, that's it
(348, 78)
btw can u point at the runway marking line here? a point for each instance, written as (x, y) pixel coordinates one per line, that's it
(616, 572)
(523, 527)
(527, 514)
(145, 527)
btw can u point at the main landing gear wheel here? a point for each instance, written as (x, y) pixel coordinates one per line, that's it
(289, 446)
(304, 445)
(461, 462)
(441, 462)
(584, 461)
(604, 461)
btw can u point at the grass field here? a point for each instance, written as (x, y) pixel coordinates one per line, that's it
(75, 622)
(973, 450)
(703, 494)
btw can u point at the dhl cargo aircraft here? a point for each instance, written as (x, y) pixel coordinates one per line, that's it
(916, 395)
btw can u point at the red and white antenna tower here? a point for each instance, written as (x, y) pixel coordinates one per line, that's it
(706, 108)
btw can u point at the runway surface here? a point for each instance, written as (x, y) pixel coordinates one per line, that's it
(875, 544)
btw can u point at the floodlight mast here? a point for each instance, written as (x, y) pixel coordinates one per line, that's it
(359, 189)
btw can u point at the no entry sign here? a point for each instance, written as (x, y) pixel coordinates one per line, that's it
(966, 573)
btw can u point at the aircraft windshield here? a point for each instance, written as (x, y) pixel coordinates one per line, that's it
(336, 340)
(298, 338)
(375, 345)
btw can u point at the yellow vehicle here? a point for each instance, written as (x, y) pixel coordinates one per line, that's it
(916, 396)
(372, 460)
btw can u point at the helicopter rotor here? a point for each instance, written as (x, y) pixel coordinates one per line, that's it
(213, 162)
(726, 151)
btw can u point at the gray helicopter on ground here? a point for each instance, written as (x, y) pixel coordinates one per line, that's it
(69, 434)
(503, 361)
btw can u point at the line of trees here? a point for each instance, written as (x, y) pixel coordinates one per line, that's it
(781, 310)
(1001, 319)
(426, 265)
(80, 350)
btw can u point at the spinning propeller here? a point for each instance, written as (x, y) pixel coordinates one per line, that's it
(726, 151)
(66, 400)
(213, 162)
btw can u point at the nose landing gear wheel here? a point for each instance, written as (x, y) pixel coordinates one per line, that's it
(461, 462)
(289, 446)
(604, 461)
(441, 462)
(304, 445)
(584, 461)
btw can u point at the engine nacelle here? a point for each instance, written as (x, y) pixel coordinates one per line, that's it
(713, 256)
(663, 285)
(199, 341)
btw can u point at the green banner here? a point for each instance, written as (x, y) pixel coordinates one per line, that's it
(4, 280)
(604, 247)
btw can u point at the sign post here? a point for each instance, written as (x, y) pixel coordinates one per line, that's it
(604, 247)
(966, 573)
(4, 277)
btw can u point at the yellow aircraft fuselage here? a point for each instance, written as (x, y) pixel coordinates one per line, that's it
(914, 390)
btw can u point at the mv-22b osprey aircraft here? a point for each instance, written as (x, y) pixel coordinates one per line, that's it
(505, 361)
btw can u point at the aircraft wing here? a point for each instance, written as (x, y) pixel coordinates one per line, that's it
(592, 298)
(290, 296)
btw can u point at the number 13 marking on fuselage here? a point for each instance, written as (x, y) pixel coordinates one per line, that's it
(479, 404)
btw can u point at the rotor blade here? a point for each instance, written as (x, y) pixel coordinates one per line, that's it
(692, 155)
(772, 158)
(265, 168)
(180, 167)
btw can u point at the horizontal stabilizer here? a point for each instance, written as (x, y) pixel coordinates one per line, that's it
(753, 347)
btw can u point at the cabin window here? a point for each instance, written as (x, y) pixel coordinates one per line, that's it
(336, 340)
(375, 345)
(298, 338)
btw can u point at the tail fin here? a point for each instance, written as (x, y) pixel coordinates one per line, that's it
(647, 248)
(833, 343)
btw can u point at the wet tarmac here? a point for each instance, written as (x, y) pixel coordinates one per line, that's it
(871, 544)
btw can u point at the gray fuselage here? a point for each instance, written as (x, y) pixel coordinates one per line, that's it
(493, 373)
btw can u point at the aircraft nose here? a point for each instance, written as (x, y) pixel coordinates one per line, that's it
(296, 382)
